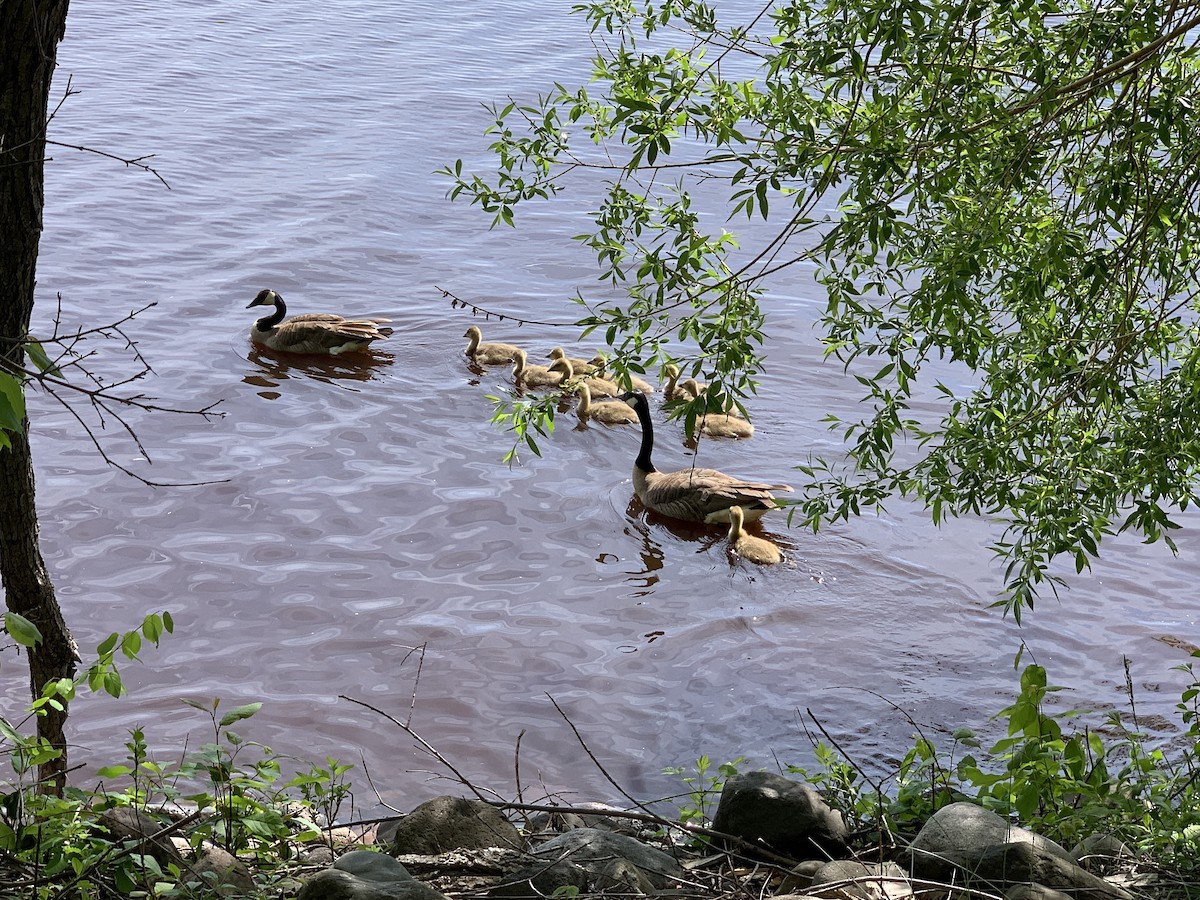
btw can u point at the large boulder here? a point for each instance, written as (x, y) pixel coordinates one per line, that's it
(450, 823)
(366, 875)
(592, 860)
(967, 826)
(965, 843)
(786, 816)
(126, 824)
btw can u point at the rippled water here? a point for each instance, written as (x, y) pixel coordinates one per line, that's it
(362, 509)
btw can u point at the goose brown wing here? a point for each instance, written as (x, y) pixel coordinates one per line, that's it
(696, 494)
(318, 335)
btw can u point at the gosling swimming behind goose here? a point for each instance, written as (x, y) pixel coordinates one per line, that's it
(694, 495)
(748, 546)
(324, 333)
(488, 353)
(540, 376)
(613, 412)
(580, 365)
(673, 390)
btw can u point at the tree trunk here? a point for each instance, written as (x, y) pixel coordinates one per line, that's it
(30, 31)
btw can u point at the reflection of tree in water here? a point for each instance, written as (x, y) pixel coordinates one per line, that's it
(363, 365)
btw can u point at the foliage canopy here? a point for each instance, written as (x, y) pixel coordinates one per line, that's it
(1006, 188)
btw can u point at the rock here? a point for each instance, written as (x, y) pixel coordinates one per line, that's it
(592, 860)
(964, 840)
(1034, 892)
(371, 866)
(366, 875)
(450, 823)
(1102, 853)
(851, 880)
(222, 872)
(1002, 866)
(787, 816)
(578, 817)
(965, 826)
(127, 824)
(800, 876)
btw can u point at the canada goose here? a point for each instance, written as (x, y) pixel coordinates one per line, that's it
(488, 354)
(540, 376)
(673, 390)
(694, 495)
(756, 549)
(312, 332)
(610, 413)
(579, 365)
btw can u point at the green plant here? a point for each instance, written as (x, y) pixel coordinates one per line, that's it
(703, 783)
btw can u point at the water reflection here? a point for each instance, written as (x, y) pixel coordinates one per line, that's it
(365, 365)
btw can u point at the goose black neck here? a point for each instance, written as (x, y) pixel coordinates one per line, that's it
(642, 408)
(266, 323)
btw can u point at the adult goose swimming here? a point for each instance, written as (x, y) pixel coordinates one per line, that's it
(325, 333)
(693, 495)
(488, 353)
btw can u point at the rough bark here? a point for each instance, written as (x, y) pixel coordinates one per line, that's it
(30, 31)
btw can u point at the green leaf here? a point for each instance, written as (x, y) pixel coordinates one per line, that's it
(21, 630)
(113, 771)
(240, 712)
(12, 404)
(43, 362)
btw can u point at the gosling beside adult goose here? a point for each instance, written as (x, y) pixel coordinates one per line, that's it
(488, 353)
(612, 412)
(324, 333)
(748, 546)
(693, 495)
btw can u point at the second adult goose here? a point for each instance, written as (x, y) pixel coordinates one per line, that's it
(748, 546)
(324, 333)
(694, 495)
(488, 354)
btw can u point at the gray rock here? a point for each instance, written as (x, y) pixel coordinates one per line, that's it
(786, 816)
(221, 871)
(965, 826)
(366, 875)
(592, 860)
(333, 884)
(1102, 853)
(845, 879)
(126, 824)
(451, 823)
(1034, 892)
(1003, 866)
(371, 866)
